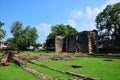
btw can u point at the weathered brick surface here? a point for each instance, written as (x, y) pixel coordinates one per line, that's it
(86, 42)
(58, 43)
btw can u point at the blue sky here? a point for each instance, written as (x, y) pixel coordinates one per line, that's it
(42, 14)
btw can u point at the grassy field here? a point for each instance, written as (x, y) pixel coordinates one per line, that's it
(49, 72)
(101, 68)
(31, 53)
(1, 53)
(14, 72)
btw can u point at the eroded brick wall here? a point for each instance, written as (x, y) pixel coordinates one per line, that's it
(59, 43)
(86, 42)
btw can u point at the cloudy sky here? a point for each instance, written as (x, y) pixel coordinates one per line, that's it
(42, 14)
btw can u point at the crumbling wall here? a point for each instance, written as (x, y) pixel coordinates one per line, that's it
(71, 43)
(86, 42)
(82, 42)
(4, 59)
(94, 41)
(59, 43)
(7, 57)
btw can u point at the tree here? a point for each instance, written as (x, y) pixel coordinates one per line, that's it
(61, 30)
(23, 38)
(58, 30)
(108, 25)
(37, 45)
(2, 32)
(11, 43)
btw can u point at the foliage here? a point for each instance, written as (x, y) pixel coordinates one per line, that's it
(23, 38)
(36, 45)
(108, 25)
(92, 67)
(11, 43)
(61, 30)
(2, 32)
(1, 53)
(15, 72)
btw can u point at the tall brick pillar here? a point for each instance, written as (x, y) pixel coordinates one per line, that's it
(90, 50)
(58, 44)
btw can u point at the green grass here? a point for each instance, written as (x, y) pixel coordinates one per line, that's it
(31, 53)
(1, 53)
(14, 72)
(94, 67)
(49, 72)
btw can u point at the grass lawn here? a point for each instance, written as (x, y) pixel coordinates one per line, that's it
(94, 67)
(1, 53)
(14, 72)
(31, 53)
(49, 72)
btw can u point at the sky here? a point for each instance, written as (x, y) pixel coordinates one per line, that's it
(42, 14)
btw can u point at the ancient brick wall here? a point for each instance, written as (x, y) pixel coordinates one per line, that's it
(70, 43)
(94, 41)
(82, 42)
(59, 43)
(86, 42)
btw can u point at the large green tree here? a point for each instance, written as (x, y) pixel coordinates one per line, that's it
(61, 30)
(108, 25)
(2, 32)
(23, 37)
(58, 30)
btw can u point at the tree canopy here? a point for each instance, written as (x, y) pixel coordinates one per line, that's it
(108, 24)
(23, 37)
(61, 30)
(2, 32)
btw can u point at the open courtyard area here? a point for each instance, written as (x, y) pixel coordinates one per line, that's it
(98, 67)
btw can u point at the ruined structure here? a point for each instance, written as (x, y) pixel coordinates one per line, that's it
(86, 42)
(8, 56)
(59, 44)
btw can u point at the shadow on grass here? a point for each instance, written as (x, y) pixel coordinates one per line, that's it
(111, 56)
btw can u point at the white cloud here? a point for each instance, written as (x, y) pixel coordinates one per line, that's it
(72, 23)
(88, 26)
(109, 2)
(96, 11)
(91, 13)
(76, 14)
(43, 31)
(112, 2)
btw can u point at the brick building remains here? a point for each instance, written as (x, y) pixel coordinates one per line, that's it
(86, 42)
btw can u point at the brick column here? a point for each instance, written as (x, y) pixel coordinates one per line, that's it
(89, 43)
(58, 44)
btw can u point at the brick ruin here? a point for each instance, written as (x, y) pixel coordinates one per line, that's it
(59, 43)
(8, 56)
(86, 42)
